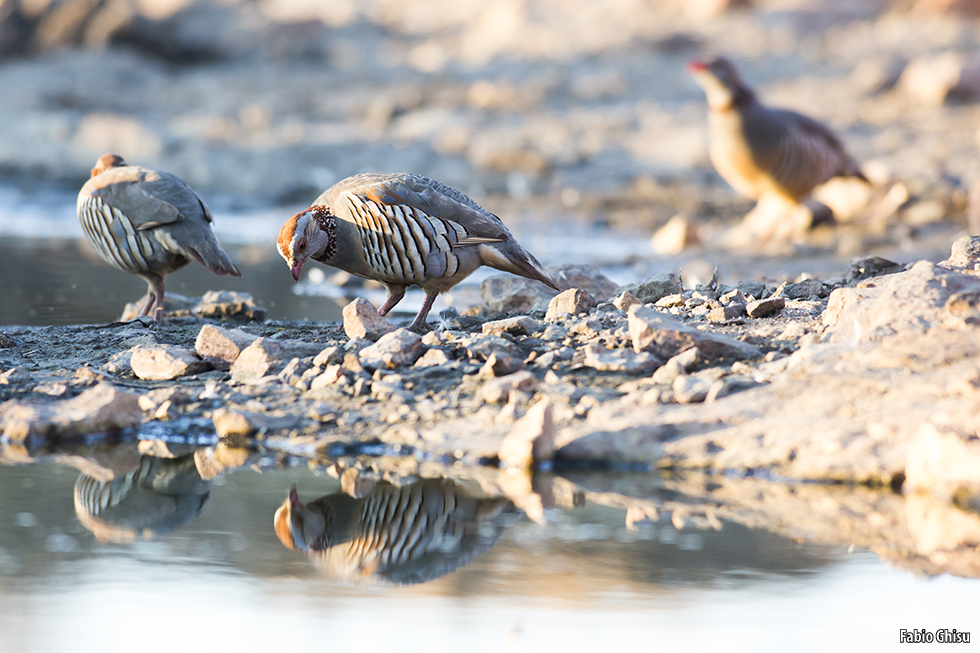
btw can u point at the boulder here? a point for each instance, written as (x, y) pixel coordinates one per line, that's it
(400, 348)
(532, 439)
(361, 320)
(100, 409)
(165, 362)
(220, 346)
(266, 357)
(653, 289)
(664, 336)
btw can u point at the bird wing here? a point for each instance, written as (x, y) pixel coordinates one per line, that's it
(806, 154)
(134, 200)
(410, 225)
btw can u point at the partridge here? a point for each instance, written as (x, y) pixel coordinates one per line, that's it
(394, 535)
(148, 223)
(403, 230)
(761, 151)
(158, 497)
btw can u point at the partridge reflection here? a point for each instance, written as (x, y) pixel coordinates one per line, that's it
(394, 535)
(158, 497)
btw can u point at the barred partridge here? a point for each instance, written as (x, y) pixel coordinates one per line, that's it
(394, 535)
(763, 152)
(148, 223)
(403, 230)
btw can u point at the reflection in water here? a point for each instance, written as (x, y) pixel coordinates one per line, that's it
(394, 535)
(158, 497)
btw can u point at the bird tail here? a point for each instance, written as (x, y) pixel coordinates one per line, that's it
(516, 260)
(209, 254)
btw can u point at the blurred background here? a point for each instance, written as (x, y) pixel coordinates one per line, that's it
(575, 121)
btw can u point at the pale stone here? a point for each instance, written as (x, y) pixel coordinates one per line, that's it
(100, 409)
(15, 376)
(500, 364)
(726, 313)
(361, 320)
(165, 362)
(664, 336)
(764, 307)
(520, 325)
(400, 348)
(624, 300)
(220, 346)
(673, 237)
(433, 358)
(532, 439)
(497, 391)
(619, 360)
(654, 288)
(267, 357)
(573, 301)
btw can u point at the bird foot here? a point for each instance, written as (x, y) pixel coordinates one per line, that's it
(420, 328)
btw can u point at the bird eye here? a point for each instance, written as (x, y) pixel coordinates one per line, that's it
(302, 245)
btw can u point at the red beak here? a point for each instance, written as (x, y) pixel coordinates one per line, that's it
(295, 267)
(696, 66)
(293, 498)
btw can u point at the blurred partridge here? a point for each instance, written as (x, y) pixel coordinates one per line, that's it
(156, 498)
(404, 230)
(394, 535)
(148, 223)
(764, 152)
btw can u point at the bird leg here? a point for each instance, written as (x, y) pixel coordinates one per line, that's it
(154, 305)
(419, 324)
(394, 296)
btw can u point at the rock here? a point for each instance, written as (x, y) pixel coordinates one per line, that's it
(665, 336)
(654, 288)
(52, 389)
(619, 360)
(432, 358)
(870, 266)
(763, 307)
(752, 288)
(232, 424)
(100, 409)
(669, 301)
(119, 363)
(400, 348)
(584, 277)
(521, 325)
(944, 463)
(941, 78)
(165, 362)
(497, 391)
(214, 461)
(330, 376)
(691, 389)
(728, 386)
(532, 440)
(500, 364)
(481, 346)
(806, 289)
(330, 356)
(965, 253)
(678, 365)
(624, 300)
(220, 346)
(6, 342)
(15, 376)
(361, 320)
(567, 303)
(225, 305)
(266, 357)
(505, 293)
(732, 297)
(673, 237)
(726, 313)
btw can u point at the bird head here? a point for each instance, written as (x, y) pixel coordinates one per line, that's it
(720, 82)
(312, 232)
(297, 526)
(107, 161)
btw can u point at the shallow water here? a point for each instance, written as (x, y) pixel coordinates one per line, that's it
(579, 582)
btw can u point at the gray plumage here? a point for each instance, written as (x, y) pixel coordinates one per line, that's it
(403, 230)
(761, 151)
(148, 223)
(158, 497)
(394, 535)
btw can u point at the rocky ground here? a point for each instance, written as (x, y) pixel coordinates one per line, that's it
(869, 379)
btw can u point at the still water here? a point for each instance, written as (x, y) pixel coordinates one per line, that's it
(175, 562)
